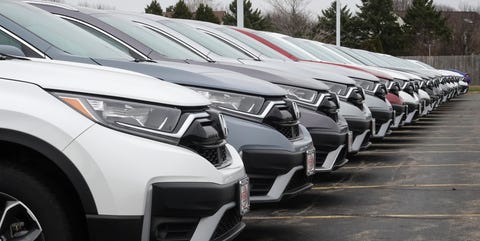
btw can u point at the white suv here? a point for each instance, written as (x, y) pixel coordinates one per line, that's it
(93, 153)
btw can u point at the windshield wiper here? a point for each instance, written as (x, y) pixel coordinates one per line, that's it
(9, 57)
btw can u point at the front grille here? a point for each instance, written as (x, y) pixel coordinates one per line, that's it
(260, 186)
(298, 181)
(229, 223)
(356, 98)
(283, 118)
(291, 132)
(329, 107)
(205, 136)
(216, 155)
(174, 230)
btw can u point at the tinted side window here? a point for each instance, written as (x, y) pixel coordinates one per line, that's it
(6, 39)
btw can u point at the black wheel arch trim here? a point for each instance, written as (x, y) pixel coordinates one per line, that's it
(58, 159)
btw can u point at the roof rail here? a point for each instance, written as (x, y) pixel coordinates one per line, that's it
(54, 4)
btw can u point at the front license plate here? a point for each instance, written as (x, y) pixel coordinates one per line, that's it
(350, 141)
(310, 162)
(244, 193)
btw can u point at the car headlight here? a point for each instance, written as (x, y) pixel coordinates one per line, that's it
(301, 94)
(366, 84)
(233, 101)
(339, 89)
(125, 115)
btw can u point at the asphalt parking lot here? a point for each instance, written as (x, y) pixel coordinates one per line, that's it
(420, 183)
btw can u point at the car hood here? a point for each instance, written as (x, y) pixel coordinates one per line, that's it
(322, 74)
(286, 76)
(342, 70)
(91, 79)
(200, 76)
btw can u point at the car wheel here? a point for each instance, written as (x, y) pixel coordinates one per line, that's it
(30, 208)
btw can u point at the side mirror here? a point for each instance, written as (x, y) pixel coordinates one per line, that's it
(11, 50)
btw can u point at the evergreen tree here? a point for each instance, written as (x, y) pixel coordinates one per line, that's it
(154, 8)
(327, 26)
(252, 18)
(379, 30)
(205, 13)
(424, 25)
(180, 10)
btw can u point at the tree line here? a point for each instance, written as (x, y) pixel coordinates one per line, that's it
(375, 26)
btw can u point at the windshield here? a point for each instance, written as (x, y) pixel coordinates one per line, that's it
(342, 54)
(424, 65)
(360, 56)
(316, 51)
(60, 33)
(252, 43)
(150, 38)
(207, 41)
(381, 59)
(289, 47)
(399, 62)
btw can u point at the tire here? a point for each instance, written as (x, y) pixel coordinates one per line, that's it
(45, 201)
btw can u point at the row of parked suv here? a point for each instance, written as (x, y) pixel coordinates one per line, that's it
(122, 126)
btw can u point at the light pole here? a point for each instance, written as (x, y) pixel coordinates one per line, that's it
(465, 36)
(240, 13)
(338, 31)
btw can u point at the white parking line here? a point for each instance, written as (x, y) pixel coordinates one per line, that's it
(405, 216)
(439, 185)
(415, 152)
(422, 144)
(412, 165)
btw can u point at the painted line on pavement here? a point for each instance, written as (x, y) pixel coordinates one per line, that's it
(414, 165)
(405, 216)
(396, 186)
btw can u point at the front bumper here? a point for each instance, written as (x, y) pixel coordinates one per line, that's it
(330, 139)
(177, 211)
(361, 133)
(331, 149)
(275, 174)
(271, 160)
(383, 120)
(400, 111)
(412, 115)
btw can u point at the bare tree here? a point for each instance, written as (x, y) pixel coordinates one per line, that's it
(193, 4)
(95, 6)
(401, 5)
(291, 17)
(444, 8)
(466, 7)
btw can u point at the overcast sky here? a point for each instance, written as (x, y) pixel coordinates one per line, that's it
(314, 7)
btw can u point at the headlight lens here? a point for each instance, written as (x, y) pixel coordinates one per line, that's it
(124, 114)
(339, 89)
(233, 101)
(300, 94)
(366, 84)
